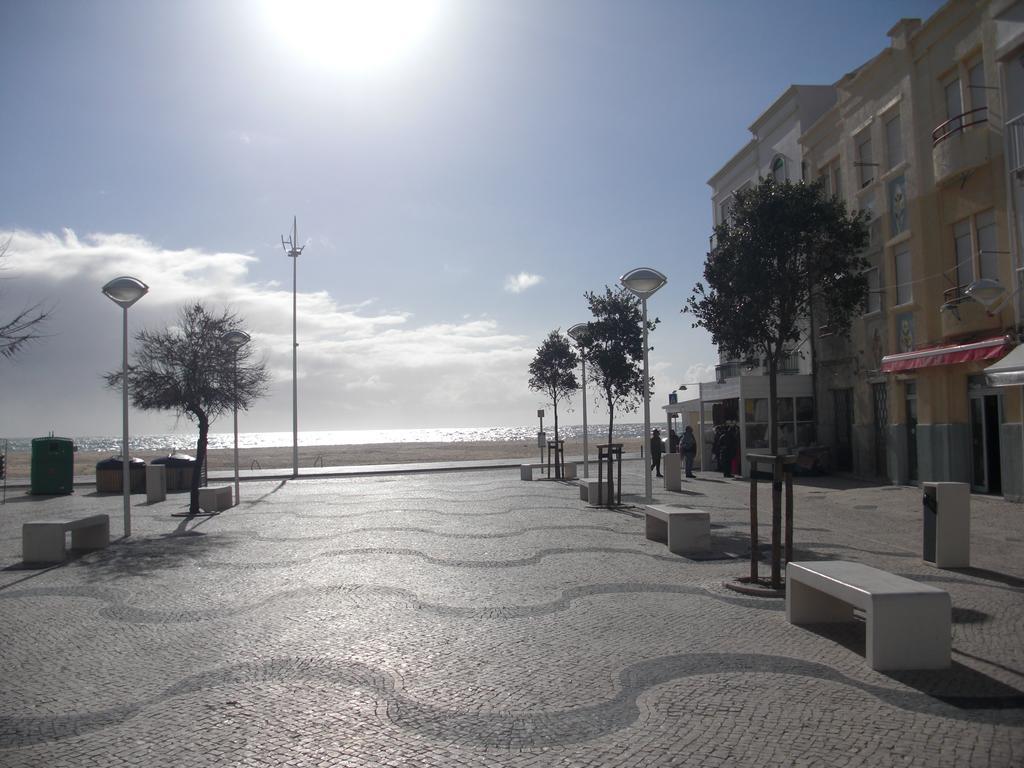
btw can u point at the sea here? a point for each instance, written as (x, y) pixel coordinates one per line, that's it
(186, 441)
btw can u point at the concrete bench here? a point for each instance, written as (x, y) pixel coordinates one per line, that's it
(526, 472)
(45, 542)
(568, 471)
(590, 492)
(215, 499)
(908, 624)
(685, 531)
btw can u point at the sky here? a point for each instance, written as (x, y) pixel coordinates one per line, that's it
(461, 172)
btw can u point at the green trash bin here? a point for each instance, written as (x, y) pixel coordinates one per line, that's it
(53, 465)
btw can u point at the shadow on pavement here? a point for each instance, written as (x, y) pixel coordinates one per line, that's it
(959, 686)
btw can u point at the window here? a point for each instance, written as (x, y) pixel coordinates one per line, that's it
(954, 104)
(779, 168)
(975, 245)
(831, 181)
(893, 142)
(962, 250)
(865, 160)
(904, 288)
(988, 258)
(724, 209)
(976, 86)
(873, 301)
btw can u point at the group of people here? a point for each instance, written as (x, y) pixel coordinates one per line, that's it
(724, 448)
(685, 445)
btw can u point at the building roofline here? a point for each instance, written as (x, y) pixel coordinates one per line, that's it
(732, 162)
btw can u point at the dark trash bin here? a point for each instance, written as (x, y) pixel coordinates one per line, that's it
(110, 475)
(180, 467)
(53, 465)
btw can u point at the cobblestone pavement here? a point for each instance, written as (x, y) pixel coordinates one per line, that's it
(471, 619)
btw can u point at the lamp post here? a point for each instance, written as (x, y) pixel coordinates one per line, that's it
(236, 340)
(643, 283)
(292, 248)
(578, 333)
(125, 291)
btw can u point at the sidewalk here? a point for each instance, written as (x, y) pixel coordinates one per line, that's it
(472, 619)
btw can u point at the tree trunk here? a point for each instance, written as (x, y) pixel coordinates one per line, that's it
(611, 462)
(558, 464)
(773, 425)
(197, 472)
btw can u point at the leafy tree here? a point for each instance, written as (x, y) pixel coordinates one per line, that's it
(190, 371)
(783, 247)
(24, 327)
(553, 372)
(615, 351)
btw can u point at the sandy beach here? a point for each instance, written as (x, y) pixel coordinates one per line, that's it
(19, 463)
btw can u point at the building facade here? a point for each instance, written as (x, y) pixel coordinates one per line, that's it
(928, 138)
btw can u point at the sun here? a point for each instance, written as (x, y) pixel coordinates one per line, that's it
(353, 36)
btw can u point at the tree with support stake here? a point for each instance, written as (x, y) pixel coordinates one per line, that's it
(784, 249)
(615, 351)
(553, 372)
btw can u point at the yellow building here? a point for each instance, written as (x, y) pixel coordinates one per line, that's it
(927, 137)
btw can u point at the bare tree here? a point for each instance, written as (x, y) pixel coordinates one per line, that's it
(190, 371)
(24, 327)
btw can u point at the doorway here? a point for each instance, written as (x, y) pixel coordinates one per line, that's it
(911, 397)
(880, 396)
(986, 416)
(842, 403)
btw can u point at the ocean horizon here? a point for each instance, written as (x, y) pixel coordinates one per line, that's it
(186, 441)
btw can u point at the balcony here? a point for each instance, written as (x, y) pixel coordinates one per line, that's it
(789, 365)
(961, 144)
(960, 315)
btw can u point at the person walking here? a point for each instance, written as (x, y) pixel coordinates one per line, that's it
(727, 450)
(657, 448)
(688, 447)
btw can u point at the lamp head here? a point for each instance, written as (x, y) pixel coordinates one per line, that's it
(578, 333)
(643, 282)
(125, 291)
(236, 339)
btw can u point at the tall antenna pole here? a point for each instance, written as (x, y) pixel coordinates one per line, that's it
(293, 250)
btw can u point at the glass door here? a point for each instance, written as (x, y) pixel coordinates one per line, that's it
(911, 394)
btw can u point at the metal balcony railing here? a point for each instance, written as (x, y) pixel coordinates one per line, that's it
(956, 124)
(1015, 145)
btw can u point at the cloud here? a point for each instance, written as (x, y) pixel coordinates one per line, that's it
(359, 365)
(700, 372)
(522, 281)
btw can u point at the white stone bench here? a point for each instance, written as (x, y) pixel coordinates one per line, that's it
(215, 499)
(45, 542)
(908, 624)
(685, 531)
(568, 471)
(590, 492)
(526, 472)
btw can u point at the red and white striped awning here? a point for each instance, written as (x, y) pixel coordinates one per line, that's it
(947, 354)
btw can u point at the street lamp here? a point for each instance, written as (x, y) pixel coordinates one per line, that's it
(578, 333)
(643, 283)
(236, 340)
(125, 291)
(293, 249)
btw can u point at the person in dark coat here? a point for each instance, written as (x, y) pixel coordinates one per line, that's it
(727, 449)
(688, 447)
(657, 448)
(673, 441)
